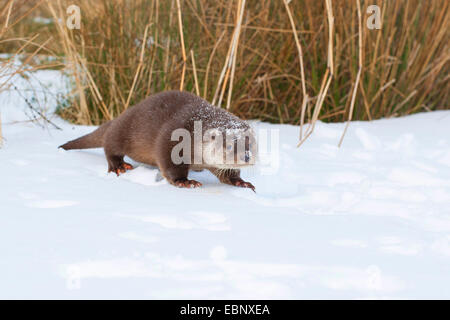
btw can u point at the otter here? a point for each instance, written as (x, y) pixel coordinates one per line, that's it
(176, 131)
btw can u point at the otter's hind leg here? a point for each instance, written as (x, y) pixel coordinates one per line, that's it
(114, 153)
(232, 177)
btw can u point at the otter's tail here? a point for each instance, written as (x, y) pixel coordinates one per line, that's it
(91, 140)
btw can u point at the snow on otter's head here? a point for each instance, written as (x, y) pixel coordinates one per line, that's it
(229, 148)
(228, 141)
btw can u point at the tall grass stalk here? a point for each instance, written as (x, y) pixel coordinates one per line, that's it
(358, 76)
(328, 74)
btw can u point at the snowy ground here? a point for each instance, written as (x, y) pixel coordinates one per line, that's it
(369, 220)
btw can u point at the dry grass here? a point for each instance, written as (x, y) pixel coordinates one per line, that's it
(289, 62)
(328, 77)
(358, 76)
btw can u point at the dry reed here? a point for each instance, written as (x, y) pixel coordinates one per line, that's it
(358, 76)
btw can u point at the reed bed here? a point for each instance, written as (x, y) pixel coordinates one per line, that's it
(280, 61)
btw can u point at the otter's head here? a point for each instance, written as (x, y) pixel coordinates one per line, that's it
(229, 148)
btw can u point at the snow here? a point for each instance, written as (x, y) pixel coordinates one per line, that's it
(368, 220)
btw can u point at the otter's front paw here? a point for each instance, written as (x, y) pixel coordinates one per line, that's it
(243, 184)
(186, 183)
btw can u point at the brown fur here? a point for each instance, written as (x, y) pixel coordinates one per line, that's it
(143, 133)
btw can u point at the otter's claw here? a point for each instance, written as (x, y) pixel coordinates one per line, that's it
(244, 184)
(122, 168)
(185, 183)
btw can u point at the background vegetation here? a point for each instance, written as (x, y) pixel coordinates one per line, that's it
(129, 49)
